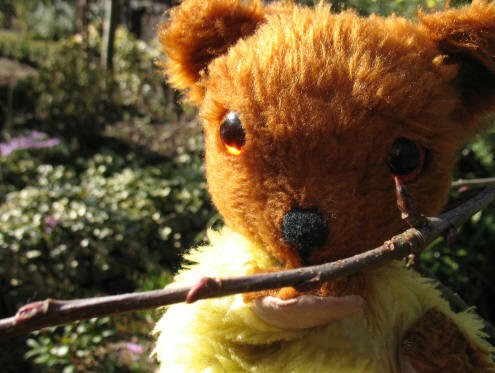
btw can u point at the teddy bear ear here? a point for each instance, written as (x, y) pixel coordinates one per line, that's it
(466, 37)
(198, 31)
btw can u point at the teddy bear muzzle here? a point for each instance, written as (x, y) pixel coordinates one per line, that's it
(305, 229)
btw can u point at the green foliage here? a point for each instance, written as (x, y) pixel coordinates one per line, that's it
(139, 82)
(24, 49)
(467, 265)
(382, 7)
(69, 94)
(72, 348)
(85, 224)
(402, 7)
(52, 21)
(15, 87)
(6, 13)
(406, 8)
(78, 222)
(46, 19)
(90, 346)
(74, 95)
(77, 225)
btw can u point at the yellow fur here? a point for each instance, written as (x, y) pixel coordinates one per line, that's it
(224, 335)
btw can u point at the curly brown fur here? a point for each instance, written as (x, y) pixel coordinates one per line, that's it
(468, 39)
(372, 104)
(201, 32)
(364, 82)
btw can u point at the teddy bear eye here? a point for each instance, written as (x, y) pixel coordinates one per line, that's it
(405, 159)
(232, 134)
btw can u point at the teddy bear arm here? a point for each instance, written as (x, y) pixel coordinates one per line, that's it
(434, 343)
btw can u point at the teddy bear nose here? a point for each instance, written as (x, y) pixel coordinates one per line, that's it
(305, 229)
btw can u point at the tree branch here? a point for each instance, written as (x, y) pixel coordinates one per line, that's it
(473, 183)
(49, 312)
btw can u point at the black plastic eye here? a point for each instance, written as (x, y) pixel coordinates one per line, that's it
(232, 133)
(405, 158)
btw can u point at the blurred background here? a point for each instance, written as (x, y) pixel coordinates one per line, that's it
(102, 182)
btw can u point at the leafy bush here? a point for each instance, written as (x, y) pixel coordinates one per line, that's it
(6, 12)
(94, 345)
(140, 83)
(21, 171)
(69, 348)
(467, 265)
(75, 95)
(24, 49)
(16, 93)
(75, 222)
(80, 225)
(52, 21)
(70, 94)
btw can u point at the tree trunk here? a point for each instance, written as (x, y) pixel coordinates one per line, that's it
(109, 26)
(83, 24)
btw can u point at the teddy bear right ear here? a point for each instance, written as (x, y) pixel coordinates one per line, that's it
(466, 37)
(198, 31)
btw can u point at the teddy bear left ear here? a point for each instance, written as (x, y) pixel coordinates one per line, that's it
(198, 31)
(467, 37)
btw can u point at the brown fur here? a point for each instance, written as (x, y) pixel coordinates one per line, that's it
(322, 97)
(364, 82)
(434, 344)
(468, 38)
(202, 32)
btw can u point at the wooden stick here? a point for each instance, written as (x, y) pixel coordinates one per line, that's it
(49, 312)
(473, 183)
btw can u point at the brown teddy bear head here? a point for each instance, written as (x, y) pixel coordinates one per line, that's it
(308, 115)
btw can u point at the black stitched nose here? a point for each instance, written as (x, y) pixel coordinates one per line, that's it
(305, 229)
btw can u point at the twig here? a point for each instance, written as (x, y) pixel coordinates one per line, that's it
(407, 206)
(41, 314)
(411, 214)
(473, 183)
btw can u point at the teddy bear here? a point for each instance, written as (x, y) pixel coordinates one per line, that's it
(309, 115)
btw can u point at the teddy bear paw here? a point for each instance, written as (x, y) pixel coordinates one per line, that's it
(306, 311)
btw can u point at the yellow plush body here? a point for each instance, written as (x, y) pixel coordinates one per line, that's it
(224, 335)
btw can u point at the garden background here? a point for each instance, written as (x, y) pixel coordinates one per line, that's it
(102, 179)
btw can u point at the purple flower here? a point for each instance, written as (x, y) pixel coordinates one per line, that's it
(37, 135)
(135, 348)
(51, 221)
(4, 149)
(27, 142)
